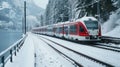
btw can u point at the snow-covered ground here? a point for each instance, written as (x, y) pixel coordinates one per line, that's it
(45, 56)
(36, 53)
(112, 26)
(104, 55)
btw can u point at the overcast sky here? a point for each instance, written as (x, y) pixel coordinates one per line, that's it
(41, 3)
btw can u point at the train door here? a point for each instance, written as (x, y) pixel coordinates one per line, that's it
(66, 31)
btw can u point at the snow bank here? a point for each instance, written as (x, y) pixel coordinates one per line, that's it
(112, 26)
(25, 58)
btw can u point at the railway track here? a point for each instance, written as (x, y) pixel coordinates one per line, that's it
(78, 53)
(107, 47)
(101, 46)
(107, 39)
(65, 56)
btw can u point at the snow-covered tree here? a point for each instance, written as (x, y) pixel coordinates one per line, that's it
(67, 10)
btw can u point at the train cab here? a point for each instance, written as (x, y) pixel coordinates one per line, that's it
(89, 29)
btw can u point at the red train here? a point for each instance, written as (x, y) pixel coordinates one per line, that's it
(84, 29)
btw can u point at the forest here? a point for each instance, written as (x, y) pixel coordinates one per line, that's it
(70, 10)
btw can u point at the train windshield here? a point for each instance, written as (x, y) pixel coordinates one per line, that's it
(91, 24)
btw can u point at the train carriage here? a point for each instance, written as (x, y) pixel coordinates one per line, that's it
(66, 30)
(59, 29)
(50, 30)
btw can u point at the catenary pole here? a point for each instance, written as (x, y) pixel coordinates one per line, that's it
(25, 16)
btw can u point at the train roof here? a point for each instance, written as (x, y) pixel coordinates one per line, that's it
(86, 18)
(67, 22)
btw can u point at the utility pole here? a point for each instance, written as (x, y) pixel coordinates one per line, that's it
(25, 16)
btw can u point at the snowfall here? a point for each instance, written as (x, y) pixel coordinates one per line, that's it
(36, 53)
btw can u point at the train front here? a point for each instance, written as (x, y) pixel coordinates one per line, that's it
(91, 29)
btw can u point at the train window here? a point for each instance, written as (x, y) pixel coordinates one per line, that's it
(73, 29)
(81, 29)
(60, 29)
(65, 29)
(57, 30)
(54, 29)
(91, 24)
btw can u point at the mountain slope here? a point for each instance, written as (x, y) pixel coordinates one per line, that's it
(12, 12)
